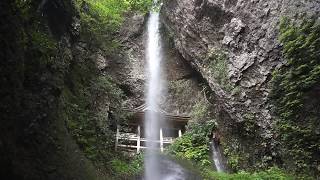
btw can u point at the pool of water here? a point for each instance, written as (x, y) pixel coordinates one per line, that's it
(169, 169)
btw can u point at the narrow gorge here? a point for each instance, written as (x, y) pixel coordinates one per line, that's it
(163, 89)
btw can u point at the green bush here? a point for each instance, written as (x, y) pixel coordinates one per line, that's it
(194, 144)
(125, 168)
(271, 174)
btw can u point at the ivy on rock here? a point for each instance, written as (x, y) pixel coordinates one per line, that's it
(295, 95)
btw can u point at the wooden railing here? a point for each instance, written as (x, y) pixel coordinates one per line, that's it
(137, 139)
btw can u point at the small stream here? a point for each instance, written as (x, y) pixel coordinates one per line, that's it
(217, 157)
(171, 170)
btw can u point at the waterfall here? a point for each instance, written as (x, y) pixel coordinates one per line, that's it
(217, 157)
(153, 95)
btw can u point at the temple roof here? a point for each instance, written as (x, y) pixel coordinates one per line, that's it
(139, 116)
(144, 108)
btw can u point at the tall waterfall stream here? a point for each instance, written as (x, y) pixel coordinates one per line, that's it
(153, 94)
(159, 167)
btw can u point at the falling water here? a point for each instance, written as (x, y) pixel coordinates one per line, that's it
(217, 158)
(154, 89)
(157, 167)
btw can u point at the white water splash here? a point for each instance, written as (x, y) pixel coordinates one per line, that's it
(153, 96)
(217, 158)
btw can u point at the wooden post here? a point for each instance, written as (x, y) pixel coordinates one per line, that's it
(117, 137)
(180, 133)
(138, 139)
(161, 140)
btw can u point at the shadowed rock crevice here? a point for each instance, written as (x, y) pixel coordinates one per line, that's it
(59, 15)
(218, 16)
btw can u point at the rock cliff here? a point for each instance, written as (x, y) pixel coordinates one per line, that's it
(40, 73)
(234, 45)
(184, 84)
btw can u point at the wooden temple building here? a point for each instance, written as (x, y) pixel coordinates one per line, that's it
(131, 137)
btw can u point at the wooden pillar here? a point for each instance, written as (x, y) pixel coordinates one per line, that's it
(180, 133)
(161, 140)
(117, 136)
(138, 139)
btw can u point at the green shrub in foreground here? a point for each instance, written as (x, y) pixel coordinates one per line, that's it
(271, 174)
(124, 168)
(194, 144)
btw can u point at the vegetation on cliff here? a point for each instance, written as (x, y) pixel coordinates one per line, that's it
(270, 174)
(295, 95)
(194, 143)
(35, 59)
(53, 87)
(56, 100)
(93, 101)
(217, 60)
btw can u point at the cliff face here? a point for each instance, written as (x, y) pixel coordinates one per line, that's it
(38, 60)
(234, 45)
(183, 84)
(62, 86)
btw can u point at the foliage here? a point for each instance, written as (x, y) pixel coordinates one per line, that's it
(249, 125)
(36, 40)
(294, 88)
(49, 97)
(77, 93)
(201, 111)
(140, 5)
(112, 11)
(43, 43)
(219, 67)
(194, 144)
(127, 168)
(234, 154)
(102, 18)
(271, 174)
(179, 87)
(104, 86)
(92, 101)
(90, 126)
